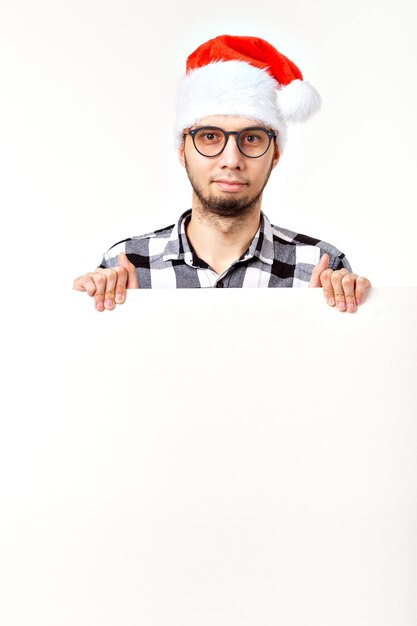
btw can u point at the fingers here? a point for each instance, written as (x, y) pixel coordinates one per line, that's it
(362, 284)
(332, 284)
(321, 266)
(132, 279)
(108, 286)
(85, 283)
(343, 290)
(119, 294)
(106, 281)
(346, 301)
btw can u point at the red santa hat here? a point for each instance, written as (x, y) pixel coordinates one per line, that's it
(245, 76)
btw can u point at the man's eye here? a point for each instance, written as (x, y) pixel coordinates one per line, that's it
(251, 138)
(210, 137)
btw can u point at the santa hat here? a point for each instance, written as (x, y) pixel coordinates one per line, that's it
(243, 76)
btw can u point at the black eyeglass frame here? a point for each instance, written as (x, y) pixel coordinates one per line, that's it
(272, 134)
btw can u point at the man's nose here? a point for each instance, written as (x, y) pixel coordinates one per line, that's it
(231, 156)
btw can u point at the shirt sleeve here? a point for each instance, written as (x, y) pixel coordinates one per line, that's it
(339, 262)
(110, 257)
(107, 261)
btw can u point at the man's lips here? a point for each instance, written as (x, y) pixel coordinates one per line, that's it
(227, 184)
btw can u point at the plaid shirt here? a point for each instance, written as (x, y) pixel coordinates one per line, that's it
(277, 257)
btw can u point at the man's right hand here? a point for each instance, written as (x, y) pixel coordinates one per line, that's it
(108, 286)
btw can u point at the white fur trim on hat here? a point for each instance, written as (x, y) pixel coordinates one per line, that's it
(229, 88)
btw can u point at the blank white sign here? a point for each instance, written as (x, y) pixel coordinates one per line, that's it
(213, 458)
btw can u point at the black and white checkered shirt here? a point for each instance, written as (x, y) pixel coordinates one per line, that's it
(277, 257)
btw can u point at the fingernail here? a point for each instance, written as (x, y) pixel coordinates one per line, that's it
(119, 298)
(109, 304)
(330, 301)
(100, 306)
(358, 301)
(350, 307)
(341, 306)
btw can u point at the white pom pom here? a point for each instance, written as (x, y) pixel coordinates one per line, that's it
(298, 101)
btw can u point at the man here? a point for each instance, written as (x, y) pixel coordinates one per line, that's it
(232, 109)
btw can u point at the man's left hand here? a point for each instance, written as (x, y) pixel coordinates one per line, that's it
(340, 289)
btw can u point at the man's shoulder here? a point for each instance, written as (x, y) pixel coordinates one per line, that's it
(309, 249)
(290, 236)
(160, 233)
(140, 249)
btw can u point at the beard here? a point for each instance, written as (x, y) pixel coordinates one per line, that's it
(226, 207)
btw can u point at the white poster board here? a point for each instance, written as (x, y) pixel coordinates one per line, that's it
(212, 458)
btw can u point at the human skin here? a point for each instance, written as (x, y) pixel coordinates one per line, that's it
(230, 179)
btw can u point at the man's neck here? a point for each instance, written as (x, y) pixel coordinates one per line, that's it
(219, 241)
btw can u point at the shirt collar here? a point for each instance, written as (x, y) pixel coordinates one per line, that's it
(262, 245)
(179, 248)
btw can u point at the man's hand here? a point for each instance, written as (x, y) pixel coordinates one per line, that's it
(341, 289)
(108, 286)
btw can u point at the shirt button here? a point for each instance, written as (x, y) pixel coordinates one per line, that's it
(219, 284)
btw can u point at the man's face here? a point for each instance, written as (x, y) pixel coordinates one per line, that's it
(230, 184)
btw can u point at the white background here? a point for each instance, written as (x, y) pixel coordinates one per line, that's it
(83, 82)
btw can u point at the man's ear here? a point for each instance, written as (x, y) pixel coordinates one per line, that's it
(181, 154)
(276, 156)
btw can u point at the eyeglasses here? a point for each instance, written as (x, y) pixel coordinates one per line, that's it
(210, 141)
